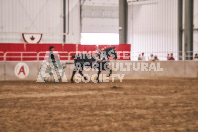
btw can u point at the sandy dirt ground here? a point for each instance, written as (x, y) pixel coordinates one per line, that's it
(166, 104)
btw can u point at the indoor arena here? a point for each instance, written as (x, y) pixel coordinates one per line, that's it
(98, 65)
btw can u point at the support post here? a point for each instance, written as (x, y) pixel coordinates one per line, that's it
(123, 9)
(64, 20)
(180, 29)
(189, 29)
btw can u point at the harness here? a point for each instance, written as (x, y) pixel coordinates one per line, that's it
(54, 59)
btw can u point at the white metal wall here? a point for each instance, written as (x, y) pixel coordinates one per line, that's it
(196, 26)
(74, 22)
(100, 16)
(38, 16)
(152, 28)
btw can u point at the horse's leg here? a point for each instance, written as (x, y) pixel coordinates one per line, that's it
(74, 72)
(106, 68)
(80, 72)
(99, 71)
(110, 72)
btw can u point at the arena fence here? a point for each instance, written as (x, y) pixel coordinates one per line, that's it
(34, 56)
(122, 55)
(10, 69)
(1, 56)
(11, 63)
(162, 56)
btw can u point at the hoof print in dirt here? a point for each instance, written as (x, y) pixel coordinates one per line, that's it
(115, 87)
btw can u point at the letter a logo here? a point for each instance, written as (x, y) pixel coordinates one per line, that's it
(22, 70)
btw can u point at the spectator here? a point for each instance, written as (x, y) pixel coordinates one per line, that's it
(143, 58)
(171, 57)
(151, 57)
(155, 58)
(139, 57)
(196, 57)
(168, 57)
(180, 58)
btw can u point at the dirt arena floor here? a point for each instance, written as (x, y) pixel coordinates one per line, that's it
(166, 104)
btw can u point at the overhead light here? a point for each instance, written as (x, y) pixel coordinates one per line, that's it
(141, 2)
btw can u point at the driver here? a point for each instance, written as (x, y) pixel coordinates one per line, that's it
(53, 57)
(101, 55)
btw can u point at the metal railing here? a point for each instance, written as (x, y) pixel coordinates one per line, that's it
(20, 55)
(126, 55)
(1, 56)
(162, 56)
(42, 57)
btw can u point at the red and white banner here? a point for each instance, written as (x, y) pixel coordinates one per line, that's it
(32, 38)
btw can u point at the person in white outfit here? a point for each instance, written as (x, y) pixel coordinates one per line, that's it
(151, 58)
(139, 57)
(196, 57)
(143, 57)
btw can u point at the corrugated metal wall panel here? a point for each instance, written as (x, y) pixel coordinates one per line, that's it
(196, 26)
(100, 17)
(153, 27)
(38, 16)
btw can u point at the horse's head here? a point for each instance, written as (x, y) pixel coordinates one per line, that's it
(110, 52)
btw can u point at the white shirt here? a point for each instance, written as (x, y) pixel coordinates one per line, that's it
(143, 58)
(151, 58)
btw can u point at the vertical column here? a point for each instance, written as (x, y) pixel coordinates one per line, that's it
(180, 28)
(64, 20)
(189, 29)
(123, 9)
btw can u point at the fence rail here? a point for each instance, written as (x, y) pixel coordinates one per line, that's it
(1, 56)
(188, 55)
(20, 55)
(34, 56)
(44, 55)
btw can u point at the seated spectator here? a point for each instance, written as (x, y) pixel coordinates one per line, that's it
(143, 58)
(151, 58)
(180, 58)
(139, 57)
(171, 57)
(155, 58)
(196, 57)
(168, 57)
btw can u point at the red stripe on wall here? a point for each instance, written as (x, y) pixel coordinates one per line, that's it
(7, 47)
(42, 47)
(87, 48)
(20, 47)
(69, 47)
